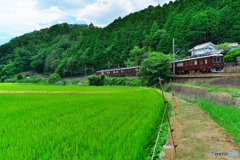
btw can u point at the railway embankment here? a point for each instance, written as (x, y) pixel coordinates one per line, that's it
(191, 92)
(223, 79)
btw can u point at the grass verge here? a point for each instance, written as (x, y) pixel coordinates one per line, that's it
(227, 117)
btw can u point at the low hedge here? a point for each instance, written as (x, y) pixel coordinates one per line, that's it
(119, 81)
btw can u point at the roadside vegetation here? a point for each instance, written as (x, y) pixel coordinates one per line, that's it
(87, 126)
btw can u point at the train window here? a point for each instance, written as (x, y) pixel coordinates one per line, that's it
(129, 70)
(214, 60)
(116, 71)
(186, 63)
(122, 71)
(180, 64)
(190, 63)
(208, 60)
(102, 72)
(170, 65)
(200, 61)
(195, 62)
(113, 71)
(205, 61)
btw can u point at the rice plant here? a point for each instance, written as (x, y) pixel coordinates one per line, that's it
(55, 88)
(79, 126)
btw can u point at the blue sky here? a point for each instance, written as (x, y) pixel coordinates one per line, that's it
(22, 16)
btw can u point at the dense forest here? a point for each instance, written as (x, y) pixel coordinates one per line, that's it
(67, 47)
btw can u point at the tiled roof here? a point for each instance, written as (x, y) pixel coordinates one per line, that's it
(197, 47)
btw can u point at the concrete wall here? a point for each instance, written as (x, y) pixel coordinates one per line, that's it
(190, 92)
(233, 81)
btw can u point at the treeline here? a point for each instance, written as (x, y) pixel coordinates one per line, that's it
(66, 47)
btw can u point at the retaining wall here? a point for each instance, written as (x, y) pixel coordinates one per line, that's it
(233, 81)
(190, 92)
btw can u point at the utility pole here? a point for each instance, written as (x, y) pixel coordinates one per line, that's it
(85, 70)
(64, 73)
(108, 68)
(173, 62)
(135, 60)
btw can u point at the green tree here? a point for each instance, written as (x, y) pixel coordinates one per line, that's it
(155, 66)
(18, 63)
(53, 78)
(225, 47)
(231, 56)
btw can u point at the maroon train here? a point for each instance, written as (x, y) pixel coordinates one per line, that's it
(205, 63)
(123, 72)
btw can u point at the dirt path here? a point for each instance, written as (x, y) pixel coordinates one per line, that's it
(197, 135)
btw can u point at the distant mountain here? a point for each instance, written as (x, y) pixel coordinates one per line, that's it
(71, 47)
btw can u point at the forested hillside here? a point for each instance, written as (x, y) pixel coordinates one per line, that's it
(67, 47)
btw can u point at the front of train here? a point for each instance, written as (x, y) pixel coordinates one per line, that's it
(217, 63)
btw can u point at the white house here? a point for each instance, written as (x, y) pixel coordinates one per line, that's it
(234, 45)
(203, 48)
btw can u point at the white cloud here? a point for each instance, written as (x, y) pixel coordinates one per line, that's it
(23, 16)
(2, 37)
(104, 12)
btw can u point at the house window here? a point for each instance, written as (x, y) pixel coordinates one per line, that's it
(186, 63)
(180, 64)
(200, 61)
(205, 61)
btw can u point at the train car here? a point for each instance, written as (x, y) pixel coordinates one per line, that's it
(122, 72)
(205, 63)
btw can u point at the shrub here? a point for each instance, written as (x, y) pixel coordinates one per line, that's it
(19, 76)
(167, 87)
(231, 56)
(10, 80)
(96, 80)
(64, 82)
(3, 78)
(53, 78)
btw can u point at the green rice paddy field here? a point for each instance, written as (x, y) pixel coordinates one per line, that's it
(120, 125)
(55, 88)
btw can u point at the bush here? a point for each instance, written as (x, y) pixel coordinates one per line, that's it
(96, 80)
(231, 56)
(53, 78)
(10, 80)
(64, 82)
(167, 87)
(3, 78)
(19, 76)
